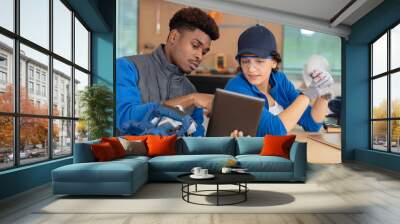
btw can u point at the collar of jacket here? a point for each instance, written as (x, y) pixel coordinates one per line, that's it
(160, 57)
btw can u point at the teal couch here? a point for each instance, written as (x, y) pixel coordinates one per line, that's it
(125, 176)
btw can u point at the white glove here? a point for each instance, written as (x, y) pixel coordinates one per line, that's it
(322, 79)
(320, 85)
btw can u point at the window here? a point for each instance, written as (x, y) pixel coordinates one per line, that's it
(62, 75)
(62, 130)
(300, 44)
(39, 80)
(6, 73)
(7, 14)
(38, 89)
(127, 27)
(30, 72)
(6, 142)
(55, 98)
(37, 74)
(3, 71)
(3, 61)
(81, 45)
(385, 96)
(81, 81)
(43, 90)
(34, 21)
(3, 78)
(62, 31)
(30, 87)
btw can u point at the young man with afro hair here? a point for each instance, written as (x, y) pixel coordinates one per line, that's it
(146, 81)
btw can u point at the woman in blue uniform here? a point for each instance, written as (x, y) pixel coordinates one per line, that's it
(285, 107)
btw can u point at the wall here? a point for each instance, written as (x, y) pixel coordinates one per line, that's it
(24, 178)
(356, 85)
(230, 29)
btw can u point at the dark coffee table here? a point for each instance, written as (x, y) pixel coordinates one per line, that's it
(238, 179)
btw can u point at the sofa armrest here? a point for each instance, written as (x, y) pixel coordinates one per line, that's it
(298, 155)
(83, 152)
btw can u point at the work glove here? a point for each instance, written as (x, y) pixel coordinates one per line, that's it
(320, 85)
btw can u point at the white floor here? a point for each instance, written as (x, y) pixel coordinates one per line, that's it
(378, 189)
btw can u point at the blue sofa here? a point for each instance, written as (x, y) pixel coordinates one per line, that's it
(125, 176)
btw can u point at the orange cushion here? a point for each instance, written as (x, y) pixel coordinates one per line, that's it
(116, 145)
(277, 145)
(136, 137)
(103, 151)
(161, 145)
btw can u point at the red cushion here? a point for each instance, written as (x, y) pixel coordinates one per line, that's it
(103, 152)
(116, 145)
(277, 145)
(161, 145)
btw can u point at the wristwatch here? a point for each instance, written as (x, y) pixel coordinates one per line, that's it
(327, 96)
(180, 107)
(302, 93)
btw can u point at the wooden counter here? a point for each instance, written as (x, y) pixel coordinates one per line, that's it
(322, 147)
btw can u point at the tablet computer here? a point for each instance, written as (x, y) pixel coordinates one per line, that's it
(234, 111)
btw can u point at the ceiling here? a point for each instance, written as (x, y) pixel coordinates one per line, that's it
(328, 16)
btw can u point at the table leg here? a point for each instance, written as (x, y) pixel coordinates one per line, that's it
(245, 191)
(217, 194)
(188, 189)
(182, 190)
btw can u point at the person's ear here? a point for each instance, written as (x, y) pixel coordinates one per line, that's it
(173, 36)
(274, 64)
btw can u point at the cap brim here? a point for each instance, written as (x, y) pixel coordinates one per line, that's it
(257, 52)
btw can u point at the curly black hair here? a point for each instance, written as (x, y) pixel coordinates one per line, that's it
(191, 18)
(276, 57)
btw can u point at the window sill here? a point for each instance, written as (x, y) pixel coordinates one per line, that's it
(26, 167)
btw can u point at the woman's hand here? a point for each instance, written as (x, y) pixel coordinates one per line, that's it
(320, 85)
(237, 133)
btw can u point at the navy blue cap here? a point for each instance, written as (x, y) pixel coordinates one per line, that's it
(256, 40)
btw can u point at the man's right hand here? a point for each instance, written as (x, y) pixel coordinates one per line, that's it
(203, 100)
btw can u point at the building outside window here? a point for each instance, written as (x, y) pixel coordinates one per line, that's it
(385, 96)
(3, 72)
(3, 60)
(55, 96)
(43, 77)
(58, 134)
(38, 89)
(3, 78)
(30, 72)
(43, 90)
(30, 87)
(37, 75)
